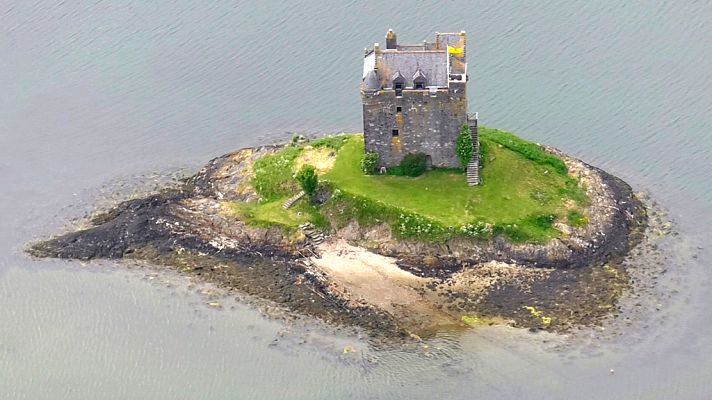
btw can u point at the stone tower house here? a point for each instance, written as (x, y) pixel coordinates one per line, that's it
(415, 99)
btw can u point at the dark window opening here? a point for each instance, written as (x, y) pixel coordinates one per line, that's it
(399, 85)
(419, 80)
(399, 109)
(394, 133)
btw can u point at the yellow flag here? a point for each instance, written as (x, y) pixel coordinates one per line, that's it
(453, 50)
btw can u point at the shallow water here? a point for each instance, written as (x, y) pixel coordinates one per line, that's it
(97, 98)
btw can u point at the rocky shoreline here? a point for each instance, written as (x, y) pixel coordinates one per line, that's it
(567, 282)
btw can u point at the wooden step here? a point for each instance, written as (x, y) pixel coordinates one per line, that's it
(473, 172)
(290, 201)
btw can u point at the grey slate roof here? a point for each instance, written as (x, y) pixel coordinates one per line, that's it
(419, 75)
(432, 63)
(397, 75)
(371, 82)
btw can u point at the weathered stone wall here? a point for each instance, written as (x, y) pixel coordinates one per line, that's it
(428, 123)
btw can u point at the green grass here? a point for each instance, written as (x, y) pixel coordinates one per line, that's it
(272, 213)
(576, 219)
(344, 207)
(527, 149)
(273, 174)
(507, 193)
(523, 191)
(332, 142)
(265, 214)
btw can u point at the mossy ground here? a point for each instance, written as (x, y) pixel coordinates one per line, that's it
(523, 191)
(272, 213)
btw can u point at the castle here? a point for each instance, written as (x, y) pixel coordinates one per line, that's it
(415, 101)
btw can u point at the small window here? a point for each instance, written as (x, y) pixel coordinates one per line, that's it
(394, 133)
(398, 83)
(419, 80)
(398, 86)
(399, 109)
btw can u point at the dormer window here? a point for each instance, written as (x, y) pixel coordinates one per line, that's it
(398, 83)
(419, 80)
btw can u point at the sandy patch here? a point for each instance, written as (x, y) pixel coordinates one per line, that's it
(322, 158)
(377, 280)
(422, 305)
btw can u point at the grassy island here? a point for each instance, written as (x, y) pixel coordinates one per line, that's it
(524, 192)
(422, 257)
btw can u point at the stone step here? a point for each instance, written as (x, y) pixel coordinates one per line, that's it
(313, 235)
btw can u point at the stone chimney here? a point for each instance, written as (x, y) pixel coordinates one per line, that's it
(391, 40)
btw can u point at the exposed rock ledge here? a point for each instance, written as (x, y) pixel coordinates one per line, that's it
(395, 286)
